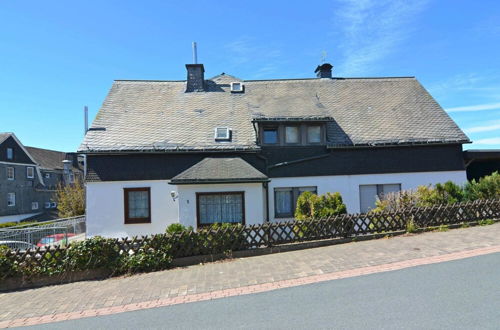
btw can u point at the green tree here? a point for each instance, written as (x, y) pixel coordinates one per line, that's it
(312, 206)
(487, 187)
(70, 199)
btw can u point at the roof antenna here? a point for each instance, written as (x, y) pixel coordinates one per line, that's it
(195, 53)
(323, 57)
(86, 119)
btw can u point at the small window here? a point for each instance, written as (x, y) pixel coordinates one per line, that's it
(10, 153)
(225, 207)
(285, 200)
(47, 205)
(292, 134)
(270, 135)
(30, 172)
(137, 205)
(47, 175)
(11, 199)
(314, 134)
(34, 205)
(236, 87)
(53, 205)
(222, 133)
(11, 174)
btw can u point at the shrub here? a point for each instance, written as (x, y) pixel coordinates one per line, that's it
(487, 187)
(396, 201)
(177, 228)
(155, 254)
(92, 253)
(7, 266)
(221, 238)
(447, 193)
(312, 206)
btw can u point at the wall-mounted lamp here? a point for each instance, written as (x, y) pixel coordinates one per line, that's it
(174, 195)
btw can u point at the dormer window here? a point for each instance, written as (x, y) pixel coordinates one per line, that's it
(292, 134)
(222, 134)
(314, 134)
(270, 135)
(236, 87)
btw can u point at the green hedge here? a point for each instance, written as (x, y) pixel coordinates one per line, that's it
(153, 254)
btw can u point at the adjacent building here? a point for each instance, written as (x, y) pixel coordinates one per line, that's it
(223, 149)
(29, 177)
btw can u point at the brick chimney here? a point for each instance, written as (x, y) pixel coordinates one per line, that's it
(195, 78)
(324, 70)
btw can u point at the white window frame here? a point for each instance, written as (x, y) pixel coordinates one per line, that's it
(10, 153)
(34, 205)
(53, 205)
(32, 176)
(11, 199)
(11, 173)
(227, 135)
(233, 84)
(47, 205)
(47, 175)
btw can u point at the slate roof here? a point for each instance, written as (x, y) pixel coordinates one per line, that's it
(220, 170)
(48, 159)
(4, 136)
(161, 116)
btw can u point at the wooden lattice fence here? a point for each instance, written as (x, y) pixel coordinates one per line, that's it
(234, 238)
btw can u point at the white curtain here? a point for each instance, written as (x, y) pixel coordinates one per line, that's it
(221, 208)
(284, 201)
(138, 204)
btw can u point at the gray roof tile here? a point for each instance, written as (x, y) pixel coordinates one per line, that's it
(159, 115)
(213, 170)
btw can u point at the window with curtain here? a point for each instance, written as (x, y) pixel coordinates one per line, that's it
(285, 200)
(314, 134)
(220, 208)
(137, 205)
(292, 134)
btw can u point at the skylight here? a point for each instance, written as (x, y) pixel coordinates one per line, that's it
(236, 87)
(222, 134)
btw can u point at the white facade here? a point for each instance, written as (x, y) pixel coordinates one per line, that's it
(348, 185)
(106, 206)
(105, 200)
(106, 210)
(253, 196)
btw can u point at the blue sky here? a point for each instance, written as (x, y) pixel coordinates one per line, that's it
(57, 56)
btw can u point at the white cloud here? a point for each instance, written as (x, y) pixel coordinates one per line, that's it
(246, 49)
(488, 141)
(373, 29)
(477, 107)
(493, 126)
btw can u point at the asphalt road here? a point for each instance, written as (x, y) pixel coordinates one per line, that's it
(462, 294)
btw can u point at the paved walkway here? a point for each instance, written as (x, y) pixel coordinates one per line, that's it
(242, 276)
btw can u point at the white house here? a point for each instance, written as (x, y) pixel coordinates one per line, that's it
(230, 150)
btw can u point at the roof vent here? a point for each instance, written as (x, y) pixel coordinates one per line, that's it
(237, 87)
(222, 134)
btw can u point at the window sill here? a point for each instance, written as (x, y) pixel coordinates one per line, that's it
(136, 221)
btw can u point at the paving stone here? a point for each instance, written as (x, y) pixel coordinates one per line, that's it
(252, 274)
